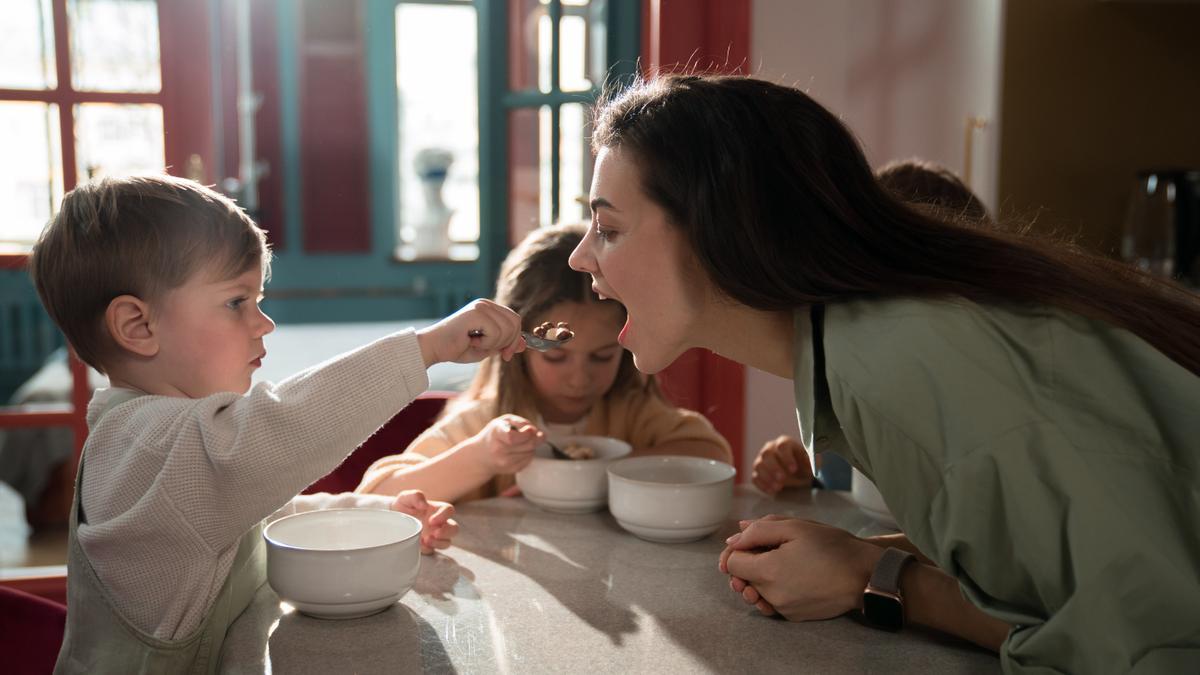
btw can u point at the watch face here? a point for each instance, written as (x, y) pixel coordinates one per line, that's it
(883, 611)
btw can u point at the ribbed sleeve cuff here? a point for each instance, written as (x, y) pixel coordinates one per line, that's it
(407, 352)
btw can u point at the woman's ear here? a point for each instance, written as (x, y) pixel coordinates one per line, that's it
(128, 321)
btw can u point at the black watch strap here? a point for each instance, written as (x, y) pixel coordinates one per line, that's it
(882, 604)
(886, 576)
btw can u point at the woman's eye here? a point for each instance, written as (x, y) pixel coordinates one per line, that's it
(603, 358)
(553, 359)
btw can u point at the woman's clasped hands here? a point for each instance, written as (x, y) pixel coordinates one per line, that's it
(798, 568)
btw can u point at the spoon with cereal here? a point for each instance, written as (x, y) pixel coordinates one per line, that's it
(543, 337)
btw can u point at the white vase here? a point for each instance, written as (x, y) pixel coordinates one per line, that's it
(431, 234)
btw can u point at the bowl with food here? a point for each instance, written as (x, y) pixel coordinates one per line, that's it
(575, 480)
(343, 563)
(670, 498)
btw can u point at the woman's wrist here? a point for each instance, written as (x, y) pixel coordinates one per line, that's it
(866, 560)
(933, 599)
(901, 541)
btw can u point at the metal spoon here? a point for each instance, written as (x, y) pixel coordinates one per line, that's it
(554, 449)
(532, 341)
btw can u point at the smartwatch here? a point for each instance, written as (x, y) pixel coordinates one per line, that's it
(883, 606)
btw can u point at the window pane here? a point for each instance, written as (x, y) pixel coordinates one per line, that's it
(572, 53)
(576, 162)
(529, 37)
(31, 177)
(118, 140)
(438, 128)
(114, 45)
(524, 180)
(27, 46)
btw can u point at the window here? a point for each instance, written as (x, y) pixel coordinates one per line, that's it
(554, 74)
(456, 102)
(395, 114)
(80, 96)
(437, 130)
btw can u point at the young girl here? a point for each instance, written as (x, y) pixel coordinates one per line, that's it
(587, 386)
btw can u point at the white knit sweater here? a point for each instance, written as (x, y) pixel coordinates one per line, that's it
(170, 485)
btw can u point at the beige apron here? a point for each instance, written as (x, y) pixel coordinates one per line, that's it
(98, 639)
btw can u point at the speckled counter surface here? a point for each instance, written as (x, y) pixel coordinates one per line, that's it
(528, 591)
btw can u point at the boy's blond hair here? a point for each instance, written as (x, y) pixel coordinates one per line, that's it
(140, 236)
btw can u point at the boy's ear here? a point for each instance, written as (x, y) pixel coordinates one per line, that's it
(128, 321)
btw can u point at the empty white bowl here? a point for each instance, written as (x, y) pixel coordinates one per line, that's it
(669, 498)
(343, 563)
(571, 485)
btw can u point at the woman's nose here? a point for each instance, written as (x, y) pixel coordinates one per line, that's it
(581, 260)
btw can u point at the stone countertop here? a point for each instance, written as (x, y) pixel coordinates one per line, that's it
(525, 590)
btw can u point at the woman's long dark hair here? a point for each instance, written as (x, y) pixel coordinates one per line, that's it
(782, 210)
(533, 279)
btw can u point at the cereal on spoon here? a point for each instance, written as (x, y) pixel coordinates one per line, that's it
(551, 331)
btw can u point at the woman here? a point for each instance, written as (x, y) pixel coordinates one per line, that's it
(1028, 411)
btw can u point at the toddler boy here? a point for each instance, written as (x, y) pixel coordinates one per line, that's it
(156, 282)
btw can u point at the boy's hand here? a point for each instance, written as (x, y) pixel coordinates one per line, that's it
(473, 333)
(782, 463)
(437, 527)
(507, 443)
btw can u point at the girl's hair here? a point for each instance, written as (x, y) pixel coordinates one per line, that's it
(754, 171)
(533, 279)
(918, 181)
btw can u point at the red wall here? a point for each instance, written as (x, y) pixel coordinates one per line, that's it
(702, 36)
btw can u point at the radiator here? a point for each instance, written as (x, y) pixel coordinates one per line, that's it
(27, 335)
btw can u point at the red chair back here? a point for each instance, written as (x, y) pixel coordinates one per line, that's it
(31, 631)
(392, 438)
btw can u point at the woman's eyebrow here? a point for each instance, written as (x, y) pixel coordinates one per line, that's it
(606, 347)
(601, 202)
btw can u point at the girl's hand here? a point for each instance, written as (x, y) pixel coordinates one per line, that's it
(473, 333)
(506, 444)
(437, 527)
(798, 568)
(782, 463)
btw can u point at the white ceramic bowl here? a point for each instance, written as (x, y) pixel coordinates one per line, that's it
(343, 563)
(669, 498)
(571, 485)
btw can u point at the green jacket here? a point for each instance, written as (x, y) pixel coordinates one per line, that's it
(1049, 462)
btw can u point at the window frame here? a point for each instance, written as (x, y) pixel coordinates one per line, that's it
(66, 97)
(496, 101)
(187, 132)
(317, 285)
(187, 129)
